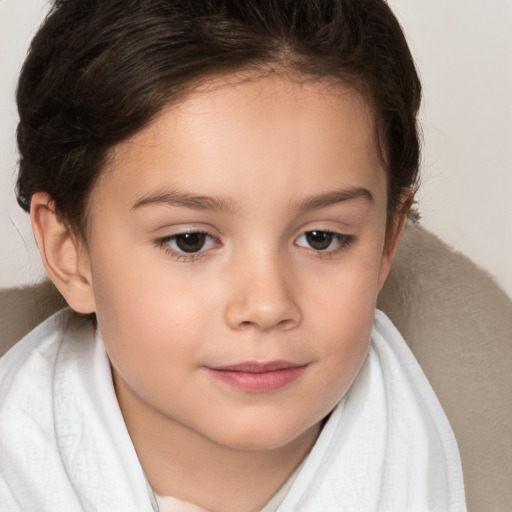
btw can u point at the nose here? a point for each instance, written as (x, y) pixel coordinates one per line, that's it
(263, 297)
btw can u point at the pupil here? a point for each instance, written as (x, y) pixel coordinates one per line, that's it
(190, 242)
(319, 240)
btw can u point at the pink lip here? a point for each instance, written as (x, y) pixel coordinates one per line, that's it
(257, 377)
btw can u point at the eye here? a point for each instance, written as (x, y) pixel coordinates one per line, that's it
(324, 241)
(189, 243)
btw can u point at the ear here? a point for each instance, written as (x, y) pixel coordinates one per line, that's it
(64, 257)
(393, 236)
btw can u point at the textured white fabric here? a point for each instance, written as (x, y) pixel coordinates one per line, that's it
(63, 444)
(387, 446)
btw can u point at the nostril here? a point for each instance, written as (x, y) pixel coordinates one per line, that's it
(282, 324)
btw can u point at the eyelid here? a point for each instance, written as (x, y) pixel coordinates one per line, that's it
(345, 241)
(178, 255)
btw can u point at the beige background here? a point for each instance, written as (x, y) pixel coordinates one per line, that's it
(462, 48)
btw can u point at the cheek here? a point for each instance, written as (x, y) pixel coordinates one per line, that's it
(151, 339)
(341, 336)
(345, 329)
(340, 318)
(345, 295)
(144, 315)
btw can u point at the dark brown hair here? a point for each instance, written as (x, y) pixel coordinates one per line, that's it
(100, 70)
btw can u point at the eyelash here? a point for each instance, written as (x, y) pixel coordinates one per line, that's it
(164, 242)
(344, 243)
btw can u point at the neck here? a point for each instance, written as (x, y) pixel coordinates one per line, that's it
(183, 463)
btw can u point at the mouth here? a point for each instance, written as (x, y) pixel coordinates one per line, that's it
(258, 377)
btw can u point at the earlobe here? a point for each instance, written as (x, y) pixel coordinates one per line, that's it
(64, 258)
(393, 238)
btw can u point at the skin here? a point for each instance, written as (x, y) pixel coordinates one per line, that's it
(280, 158)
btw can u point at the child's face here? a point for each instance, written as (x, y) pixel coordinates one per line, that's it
(243, 231)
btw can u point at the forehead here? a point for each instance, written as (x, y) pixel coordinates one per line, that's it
(264, 132)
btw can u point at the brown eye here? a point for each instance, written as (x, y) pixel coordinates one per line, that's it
(319, 240)
(190, 242)
(325, 241)
(189, 246)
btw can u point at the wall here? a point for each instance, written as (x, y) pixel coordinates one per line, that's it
(19, 260)
(462, 48)
(463, 51)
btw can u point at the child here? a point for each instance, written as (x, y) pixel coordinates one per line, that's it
(218, 189)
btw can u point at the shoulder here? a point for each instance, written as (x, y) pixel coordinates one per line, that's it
(35, 353)
(29, 388)
(27, 370)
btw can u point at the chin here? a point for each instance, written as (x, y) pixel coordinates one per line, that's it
(263, 436)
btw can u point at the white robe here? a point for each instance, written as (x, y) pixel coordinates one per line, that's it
(387, 446)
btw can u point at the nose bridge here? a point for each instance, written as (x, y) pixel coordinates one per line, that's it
(263, 292)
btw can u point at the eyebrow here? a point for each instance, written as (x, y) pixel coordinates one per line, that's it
(337, 196)
(195, 202)
(220, 204)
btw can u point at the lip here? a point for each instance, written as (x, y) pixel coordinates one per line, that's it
(258, 377)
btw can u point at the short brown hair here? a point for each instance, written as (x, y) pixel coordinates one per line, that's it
(98, 71)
